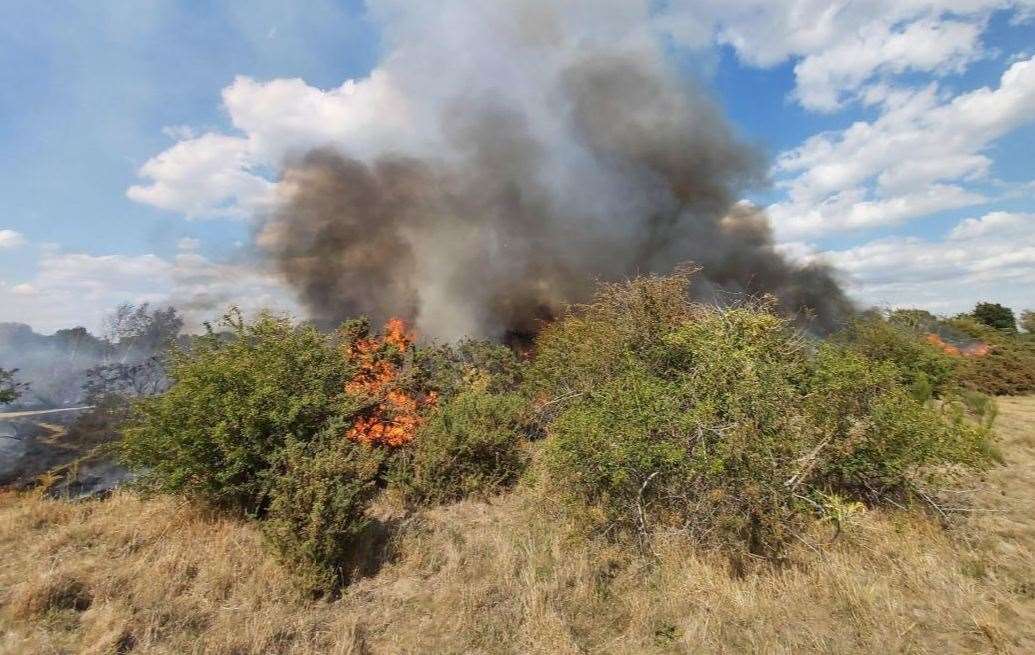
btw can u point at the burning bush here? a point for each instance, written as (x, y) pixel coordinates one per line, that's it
(724, 423)
(394, 412)
(293, 426)
(1007, 368)
(922, 365)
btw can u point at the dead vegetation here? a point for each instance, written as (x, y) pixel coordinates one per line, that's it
(511, 576)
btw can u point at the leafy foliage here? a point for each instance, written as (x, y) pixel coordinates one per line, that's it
(995, 316)
(10, 390)
(318, 502)
(470, 444)
(1007, 369)
(1028, 321)
(470, 363)
(922, 367)
(724, 423)
(233, 405)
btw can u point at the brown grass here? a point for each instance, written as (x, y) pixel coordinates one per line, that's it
(159, 576)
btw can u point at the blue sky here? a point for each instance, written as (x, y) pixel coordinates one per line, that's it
(96, 93)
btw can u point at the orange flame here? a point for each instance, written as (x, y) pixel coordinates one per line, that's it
(396, 415)
(978, 349)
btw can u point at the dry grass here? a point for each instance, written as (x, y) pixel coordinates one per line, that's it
(158, 576)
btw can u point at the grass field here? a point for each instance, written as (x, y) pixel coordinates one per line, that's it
(510, 576)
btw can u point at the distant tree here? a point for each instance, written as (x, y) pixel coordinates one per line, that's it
(914, 319)
(138, 339)
(10, 390)
(1028, 321)
(138, 331)
(996, 316)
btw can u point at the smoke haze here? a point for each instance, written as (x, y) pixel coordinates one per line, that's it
(529, 148)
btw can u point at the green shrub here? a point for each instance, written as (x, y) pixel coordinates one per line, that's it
(593, 341)
(232, 406)
(318, 498)
(725, 423)
(471, 443)
(876, 436)
(1008, 369)
(469, 364)
(926, 369)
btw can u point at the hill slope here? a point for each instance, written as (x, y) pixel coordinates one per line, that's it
(160, 576)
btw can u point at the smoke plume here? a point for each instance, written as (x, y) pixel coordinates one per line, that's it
(544, 146)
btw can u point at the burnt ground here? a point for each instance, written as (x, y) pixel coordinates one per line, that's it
(67, 453)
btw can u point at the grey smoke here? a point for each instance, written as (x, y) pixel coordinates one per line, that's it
(593, 163)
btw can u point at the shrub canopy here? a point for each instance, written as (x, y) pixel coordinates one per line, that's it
(995, 316)
(232, 406)
(1008, 369)
(724, 422)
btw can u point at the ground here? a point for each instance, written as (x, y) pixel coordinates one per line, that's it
(510, 576)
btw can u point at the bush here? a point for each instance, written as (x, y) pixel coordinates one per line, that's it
(995, 316)
(470, 364)
(877, 437)
(232, 406)
(316, 514)
(1028, 321)
(725, 423)
(1008, 369)
(924, 368)
(470, 444)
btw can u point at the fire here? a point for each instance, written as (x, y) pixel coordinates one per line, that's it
(396, 415)
(977, 349)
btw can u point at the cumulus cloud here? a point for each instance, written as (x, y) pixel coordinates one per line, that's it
(220, 175)
(991, 257)
(210, 175)
(994, 223)
(910, 161)
(841, 47)
(10, 239)
(72, 288)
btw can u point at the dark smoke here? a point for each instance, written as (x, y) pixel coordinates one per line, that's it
(514, 220)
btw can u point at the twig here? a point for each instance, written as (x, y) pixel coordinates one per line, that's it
(810, 546)
(933, 504)
(639, 507)
(560, 399)
(810, 463)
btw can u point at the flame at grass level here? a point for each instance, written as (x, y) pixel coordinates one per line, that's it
(397, 414)
(976, 349)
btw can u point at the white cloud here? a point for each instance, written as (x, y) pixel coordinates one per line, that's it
(991, 257)
(994, 223)
(9, 239)
(218, 175)
(827, 78)
(841, 46)
(71, 289)
(899, 166)
(210, 175)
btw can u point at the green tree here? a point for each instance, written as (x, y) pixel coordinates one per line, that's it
(10, 390)
(995, 315)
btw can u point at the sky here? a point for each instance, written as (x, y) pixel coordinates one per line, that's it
(139, 139)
